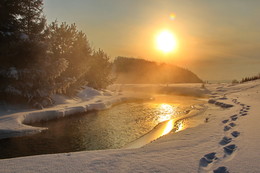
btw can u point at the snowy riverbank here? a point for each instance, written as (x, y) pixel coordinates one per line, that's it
(14, 122)
(228, 141)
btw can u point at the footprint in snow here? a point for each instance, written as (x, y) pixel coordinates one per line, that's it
(232, 124)
(208, 159)
(230, 149)
(235, 134)
(224, 121)
(242, 110)
(221, 169)
(225, 140)
(244, 114)
(227, 128)
(234, 117)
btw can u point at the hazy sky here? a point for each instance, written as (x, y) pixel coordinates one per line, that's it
(218, 39)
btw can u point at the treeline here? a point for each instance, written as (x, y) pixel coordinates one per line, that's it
(140, 71)
(246, 79)
(38, 60)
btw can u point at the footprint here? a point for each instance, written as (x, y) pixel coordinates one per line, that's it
(230, 149)
(212, 101)
(234, 117)
(224, 121)
(225, 140)
(221, 169)
(244, 114)
(207, 159)
(235, 134)
(232, 124)
(226, 128)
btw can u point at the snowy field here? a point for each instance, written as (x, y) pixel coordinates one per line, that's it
(228, 142)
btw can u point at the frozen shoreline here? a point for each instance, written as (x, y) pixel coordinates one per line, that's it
(229, 141)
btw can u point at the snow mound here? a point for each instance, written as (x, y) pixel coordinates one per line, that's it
(88, 93)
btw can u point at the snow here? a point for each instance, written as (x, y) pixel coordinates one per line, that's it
(208, 147)
(24, 36)
(11, 73)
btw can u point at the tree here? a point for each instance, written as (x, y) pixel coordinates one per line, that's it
(31, 18)
(37, 61)
(23, 54)
(99, 74)
(85, 66)
(65, 41)
(8, 17)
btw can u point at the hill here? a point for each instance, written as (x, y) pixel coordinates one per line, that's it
(140, 71)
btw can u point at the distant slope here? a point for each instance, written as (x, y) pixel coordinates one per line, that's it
(140, 71)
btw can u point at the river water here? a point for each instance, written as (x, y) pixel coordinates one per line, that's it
(108, 129)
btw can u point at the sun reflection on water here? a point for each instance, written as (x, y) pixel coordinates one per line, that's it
(168, 127)
(166, 112)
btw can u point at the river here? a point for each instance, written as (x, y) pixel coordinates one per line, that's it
(113, 128)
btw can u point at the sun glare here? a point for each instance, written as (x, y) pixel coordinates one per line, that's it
(168, 127)
(166, 41)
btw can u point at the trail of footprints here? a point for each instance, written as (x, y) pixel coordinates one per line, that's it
(226, 142)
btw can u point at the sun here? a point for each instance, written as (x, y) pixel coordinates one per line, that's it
(166, 41)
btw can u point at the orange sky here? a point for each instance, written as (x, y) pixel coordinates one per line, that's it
(218, 40)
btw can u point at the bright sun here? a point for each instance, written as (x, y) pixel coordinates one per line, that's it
(166, 41)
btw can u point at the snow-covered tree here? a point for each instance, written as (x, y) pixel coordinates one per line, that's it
(27, 71)
(38, 61)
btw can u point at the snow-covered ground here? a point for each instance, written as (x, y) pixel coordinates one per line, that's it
(229, 141)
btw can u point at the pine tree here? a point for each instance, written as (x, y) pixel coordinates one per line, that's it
(36, 63)
(8, 20)
(8, 27)
(65, 41)
(99, 75)
(31, 19)
(27, 71)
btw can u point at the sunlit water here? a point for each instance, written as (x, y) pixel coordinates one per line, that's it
(109, 129)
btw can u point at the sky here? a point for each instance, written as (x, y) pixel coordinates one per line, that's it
(217, 39)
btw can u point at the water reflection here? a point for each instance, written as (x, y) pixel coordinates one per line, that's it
(166, 112)
(160, 130)
(168, 128)
(112, 128)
